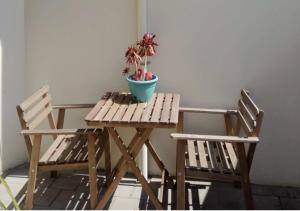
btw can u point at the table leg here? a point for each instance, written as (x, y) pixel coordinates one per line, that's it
(135, 169)
(132, 145)
(135, 147)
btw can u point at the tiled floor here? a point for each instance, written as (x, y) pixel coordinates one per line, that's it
(71, 191)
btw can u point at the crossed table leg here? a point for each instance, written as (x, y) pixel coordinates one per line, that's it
(128, 160)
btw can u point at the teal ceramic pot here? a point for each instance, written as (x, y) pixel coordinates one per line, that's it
(142, 90)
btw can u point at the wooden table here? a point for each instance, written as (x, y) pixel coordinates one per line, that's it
(121, 110)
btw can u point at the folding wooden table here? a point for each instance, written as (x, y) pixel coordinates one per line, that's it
(121, 110)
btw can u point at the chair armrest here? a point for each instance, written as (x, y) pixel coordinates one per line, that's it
(231, 139)
(81, 131)
(72, 106)
(207, 110)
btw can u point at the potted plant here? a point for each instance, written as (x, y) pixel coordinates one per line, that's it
(142, 82)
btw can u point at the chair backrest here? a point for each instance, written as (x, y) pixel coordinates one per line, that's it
(250, 117)
(35, 109)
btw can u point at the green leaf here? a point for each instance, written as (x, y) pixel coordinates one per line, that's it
(10, 193)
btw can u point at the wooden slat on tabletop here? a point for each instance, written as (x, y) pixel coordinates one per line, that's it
(122, 109)
(97, 107)
(202, 154)
(147, 112)
(112, 111)
(157, 108)
(175, 109)
(106, 107)
(191, 154)
(217, 157)
(138, 112)
(129, 112)
(165, 114)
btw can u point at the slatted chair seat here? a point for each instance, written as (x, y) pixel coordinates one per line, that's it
(216, 157)
(69, 149)
(220, 157)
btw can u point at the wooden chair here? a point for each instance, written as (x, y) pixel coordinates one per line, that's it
(70, 147)
(213, 157)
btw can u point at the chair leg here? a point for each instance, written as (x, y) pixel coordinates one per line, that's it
(107, 156)
(244, 170)
(180, 174)
(246, 186)
(92, 171)
(33, 172)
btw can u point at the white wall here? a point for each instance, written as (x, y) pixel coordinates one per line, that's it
(78, 47)
(11, 81)
(209, 50)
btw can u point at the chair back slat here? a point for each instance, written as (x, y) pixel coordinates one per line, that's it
(246, 98)
(249, 115)
(35, 109)
(39, 118)
(35, 97)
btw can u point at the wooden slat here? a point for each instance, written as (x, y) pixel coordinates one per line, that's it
(73, 149)
(103, 111)
(129, 112)
(232, 155)
(217, 157)
(39, 118)
(175, 109)
(206, 110)
(247, 99)
(165, 114)
(122, 109)
(246, 113)
(213, 138)
(91, 115)
(33, 98)
(138, 112)
(61, 131)
(157, 108)
(37, 108)
(63, 167)
(213, 161)
(59, 150)
(223, 158)
(244, 123)
(147, 112)
(202, 154)
(191, 154)
(112, 111)
(73, 156)
(51, 149)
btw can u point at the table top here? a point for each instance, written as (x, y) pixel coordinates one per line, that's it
(116, 109)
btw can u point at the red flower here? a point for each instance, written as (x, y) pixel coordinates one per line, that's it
(147, 45)
(132, 55)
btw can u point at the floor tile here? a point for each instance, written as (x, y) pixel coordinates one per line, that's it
(290, 204)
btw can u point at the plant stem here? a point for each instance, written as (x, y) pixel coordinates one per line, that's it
(145, 67)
